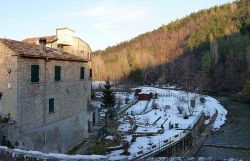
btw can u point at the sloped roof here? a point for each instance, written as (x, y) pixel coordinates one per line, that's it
(33, 51)
(34, 40)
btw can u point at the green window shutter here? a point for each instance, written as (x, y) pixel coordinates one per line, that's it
(34, 73)
(51, 105)
(82, 73)
(57, 73)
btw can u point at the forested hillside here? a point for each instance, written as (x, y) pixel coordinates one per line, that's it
(208, 50)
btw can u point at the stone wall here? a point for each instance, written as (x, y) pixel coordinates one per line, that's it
(74, 45)
(21, 155)
(79, 47)
(70, 93)
(65, 127)
(189, 159)
(27, 102)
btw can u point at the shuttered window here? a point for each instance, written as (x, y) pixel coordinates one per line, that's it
(57, 73)
(51, 105)
(34, 73)
(82, 73)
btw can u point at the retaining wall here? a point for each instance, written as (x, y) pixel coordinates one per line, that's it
(22, 155)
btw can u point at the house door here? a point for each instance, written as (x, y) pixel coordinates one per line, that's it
(93, 118)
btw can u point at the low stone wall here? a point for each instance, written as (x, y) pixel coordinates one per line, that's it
(22, 155)
(189, 159)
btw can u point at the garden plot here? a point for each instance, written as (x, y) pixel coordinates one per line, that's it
(139, 107)
(165, 120)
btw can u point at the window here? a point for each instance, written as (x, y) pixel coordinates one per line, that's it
(90, 73)
(34, 73)
(51, 105)
(82, 73)
(57, 73)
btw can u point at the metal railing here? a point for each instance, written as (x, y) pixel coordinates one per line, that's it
(158, 147)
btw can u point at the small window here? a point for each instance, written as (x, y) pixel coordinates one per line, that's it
(57, 73)
(90, 73)
(51, 105)
(34, 73)
(82, 73)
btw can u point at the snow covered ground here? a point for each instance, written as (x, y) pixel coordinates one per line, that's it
(97, 84)
(120, 99)
(211, 107)
(138, 108)
(165, 124)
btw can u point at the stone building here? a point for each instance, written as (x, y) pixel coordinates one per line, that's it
(65, 40)
(46, 92)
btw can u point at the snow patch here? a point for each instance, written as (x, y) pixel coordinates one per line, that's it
(109, 137)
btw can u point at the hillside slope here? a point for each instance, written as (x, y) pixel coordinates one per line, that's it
(208, 50)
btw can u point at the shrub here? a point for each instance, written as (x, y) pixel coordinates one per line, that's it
(180, 109)
(5, 118)
(185, 116)
(202, 100)
(155, 105)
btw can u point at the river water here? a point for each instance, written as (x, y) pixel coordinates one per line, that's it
(236, 131)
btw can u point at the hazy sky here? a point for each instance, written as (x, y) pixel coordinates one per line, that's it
(101, 23)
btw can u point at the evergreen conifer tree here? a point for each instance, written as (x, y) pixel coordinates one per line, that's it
(108, 98)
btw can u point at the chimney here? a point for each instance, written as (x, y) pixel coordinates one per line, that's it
(42, 44)
(60, 48)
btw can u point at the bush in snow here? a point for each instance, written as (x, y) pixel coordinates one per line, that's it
(125, 146)
(202, 100)
(146, 119)
(166, 107)
(126, 100)
(150, 142)
(131, 122)
(185, 116)
(117, 138)
(133, 138)
(180, 109)
(155, 105)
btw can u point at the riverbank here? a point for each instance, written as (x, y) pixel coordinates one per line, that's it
(234, 133)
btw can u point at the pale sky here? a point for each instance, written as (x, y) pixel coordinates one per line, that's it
(101, 23)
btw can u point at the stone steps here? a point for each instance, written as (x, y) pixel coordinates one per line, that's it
(100, 123)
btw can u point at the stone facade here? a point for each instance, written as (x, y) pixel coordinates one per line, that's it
(28, 102)
(8, 81)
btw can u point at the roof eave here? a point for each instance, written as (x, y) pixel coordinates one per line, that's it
(48, 58)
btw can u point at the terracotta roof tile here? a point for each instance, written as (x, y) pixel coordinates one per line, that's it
(34, 40)
(33, 51)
